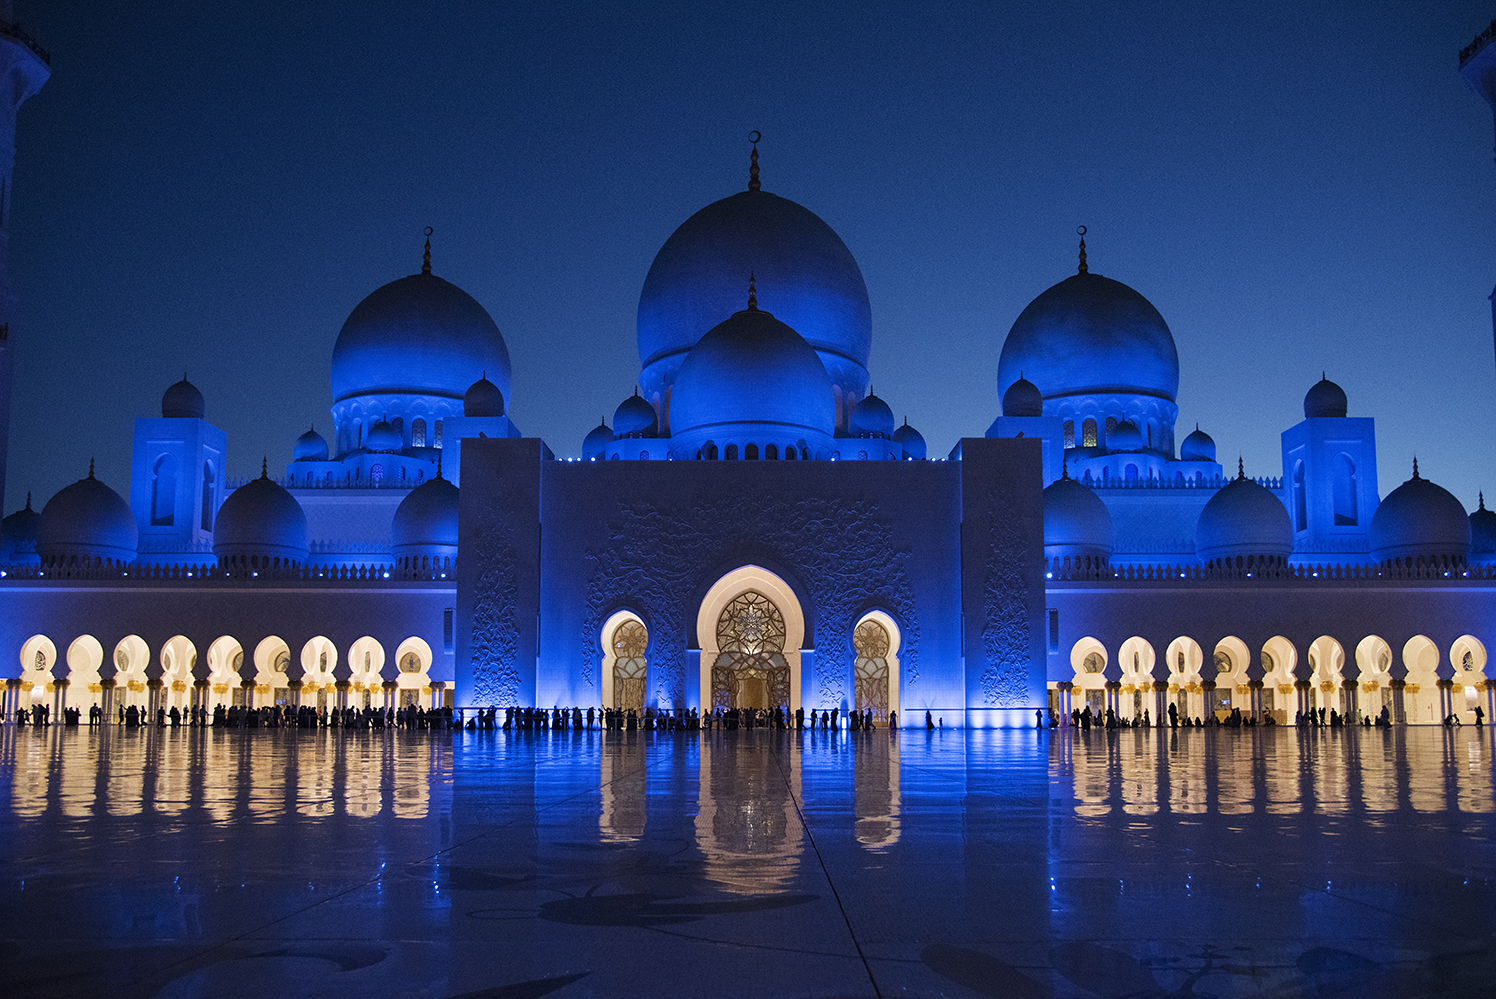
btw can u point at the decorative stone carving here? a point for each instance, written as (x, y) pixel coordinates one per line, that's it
(1005, 628)
(495, 642)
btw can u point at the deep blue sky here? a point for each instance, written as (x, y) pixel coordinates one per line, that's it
(213, 187)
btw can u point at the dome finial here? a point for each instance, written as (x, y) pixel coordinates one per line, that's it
(1482, 495)
(90, 468)
(753, 184)
(438, 464)
(1241, 472)
(1080, 231)
(1065, 468)
(752, 294)
(265, 467)
(426, 256)
(28, 499)
(1415, 466)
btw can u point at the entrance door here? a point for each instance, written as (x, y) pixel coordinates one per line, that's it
(753, 692)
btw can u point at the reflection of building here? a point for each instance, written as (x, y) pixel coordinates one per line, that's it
(754, 529)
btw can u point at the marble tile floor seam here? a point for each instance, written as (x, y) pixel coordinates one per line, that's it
(201, 955)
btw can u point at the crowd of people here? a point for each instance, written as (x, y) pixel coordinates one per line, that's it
(663, 720)
(1085, 719)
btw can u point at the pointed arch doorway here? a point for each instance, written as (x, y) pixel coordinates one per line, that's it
(751, 627)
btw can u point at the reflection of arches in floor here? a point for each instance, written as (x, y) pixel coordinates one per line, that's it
(746, 669)
(625, 666)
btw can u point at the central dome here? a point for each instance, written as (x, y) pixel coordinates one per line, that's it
(1090, 335)
(418, 335)
(753, 370)
(808, 276)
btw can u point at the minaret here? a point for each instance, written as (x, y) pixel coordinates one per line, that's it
(1478, 67)
(25, 66)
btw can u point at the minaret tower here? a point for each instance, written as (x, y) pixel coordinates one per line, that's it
(1478, 67)
(25, 66)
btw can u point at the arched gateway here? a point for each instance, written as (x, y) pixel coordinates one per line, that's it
(751, 628)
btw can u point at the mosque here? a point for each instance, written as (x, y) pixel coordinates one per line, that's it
(754, 528)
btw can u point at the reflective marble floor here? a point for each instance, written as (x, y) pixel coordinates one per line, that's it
(1259, 862)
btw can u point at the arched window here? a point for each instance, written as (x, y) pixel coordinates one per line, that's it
(862, 456)
(437, 431)
(771, 452)
(750, 452)
(789, 454)
(1343, 486)
(805, 454)
(710, 451)
(1070, 433)
(629, 642)
(1130, 473)
(164, 491)
(1088, 433)
(1111, 426)
(418, 432)
(398, 423)
(1300, 500)
(376, 474)
(208, 507)
(731, 454)
(870, 669)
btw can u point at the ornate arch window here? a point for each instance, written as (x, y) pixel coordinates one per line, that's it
(410, 663)
(418, 432)
(629, 642)
(750, 670)
(1111, 426)
(208, 508)
(1070, 433)
(164, 491)
(871, 642)
(1088, 434)
(1093, 663)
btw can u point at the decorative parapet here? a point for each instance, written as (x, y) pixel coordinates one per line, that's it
(1242, 569)
(1152, 482)
(270, 570)
(1481, 41)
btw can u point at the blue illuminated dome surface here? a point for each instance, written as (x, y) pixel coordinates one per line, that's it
(872, 416)
(806, 276)
(1419, 518)
(1023, 398)
(310, 446)
(426, 518)
(483, 398)
(1198, 446)
(1325, 398)
(911, 440)
(261, 518)
(183, 400)
(753, 369)
(596, 441)
(1075, 516)
(633, 416)
(1091, 335)
(418, 335)
(1243, 518)
(88, 519)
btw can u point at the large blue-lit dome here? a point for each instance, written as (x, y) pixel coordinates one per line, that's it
(1076, 521)
(426, 521)
(260, 519)
(18, 536)
(88, 520)
(1243, 518)
(1090, 335)
(753, 370)
(418, 335)
(1419, 519)
(808, 277)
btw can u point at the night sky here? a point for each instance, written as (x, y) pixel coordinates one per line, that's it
(211, 188)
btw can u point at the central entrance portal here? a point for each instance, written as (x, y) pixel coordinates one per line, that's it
(750, 670)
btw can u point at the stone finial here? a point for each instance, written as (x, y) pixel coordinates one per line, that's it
(753, 184)
(752, 293)
(426, 256)
(1080, 231)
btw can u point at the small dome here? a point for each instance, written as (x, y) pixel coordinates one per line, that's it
(1243, 518)
(1482, 533)
(1419, 519)
(383, 437)
(1198, 446)
(182, 401)
(911, 440)
(1090, 335)
(1023, 398)
(872, 416)
(596, 441)
(89, 520)
(483, 398)
(1324, 398)
(310, 446)
(418, 335)
(18, 537)
(426, 521)
(260, 519)
(1076, 521)
(633, 416)
(1126, 437)
(753, 369)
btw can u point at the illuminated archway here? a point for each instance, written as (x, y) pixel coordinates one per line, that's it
(178, 659)
(1279, 659)
(731, 587)
(413, 684)
(625, 667)
(875, 665)
(131, 656)
(84, 658)
(1421, 695)
(225, 670)
(366, 670)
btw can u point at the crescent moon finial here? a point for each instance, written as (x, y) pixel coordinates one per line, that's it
(754, 137)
